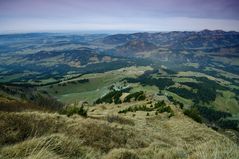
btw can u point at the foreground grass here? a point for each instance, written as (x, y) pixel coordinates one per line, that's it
(109, 135)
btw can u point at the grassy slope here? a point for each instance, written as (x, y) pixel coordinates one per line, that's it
(97, 86)
(106, 134)
(226, 102)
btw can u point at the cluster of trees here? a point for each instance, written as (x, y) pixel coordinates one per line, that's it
(159, 104)
(136, 108)
(229, 124)
(194, 114)
(161, 107)
(175, 102)
(114, 96)
(158, 107)
(212, 116)
(183, 92)
(206, 90)
(137, 96)
(145, 79)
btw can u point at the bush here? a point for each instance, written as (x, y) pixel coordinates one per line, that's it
(194, 114)
(159, 104)
(69, 111)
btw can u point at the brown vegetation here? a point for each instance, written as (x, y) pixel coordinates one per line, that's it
(111, 136)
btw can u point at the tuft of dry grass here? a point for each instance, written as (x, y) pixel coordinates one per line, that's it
(16, 127)
(216, 149)
(121, 154)
(119, 119)
(55, 146)
(103, 136)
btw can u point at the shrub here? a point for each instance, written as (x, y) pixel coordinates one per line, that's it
(181, 105)
(161, 107)
(69, 111)
(159, 104)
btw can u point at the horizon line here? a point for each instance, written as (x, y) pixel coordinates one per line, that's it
(105, 31)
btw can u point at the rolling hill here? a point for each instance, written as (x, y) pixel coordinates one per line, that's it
(142, 95)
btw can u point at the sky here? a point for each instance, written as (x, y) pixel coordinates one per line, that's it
(118, 15)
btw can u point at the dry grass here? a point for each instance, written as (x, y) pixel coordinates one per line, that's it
(121, 154)
(38, 135)
(103, 136)
(17, 127)
(56, 146)
(119, 119)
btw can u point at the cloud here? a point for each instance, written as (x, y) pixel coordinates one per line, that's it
(111, 24)
(118, 14)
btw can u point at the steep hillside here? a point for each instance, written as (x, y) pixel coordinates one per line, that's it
(125, 96)
(26, 98)
(107, 134)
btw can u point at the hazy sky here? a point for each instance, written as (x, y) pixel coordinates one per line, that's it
(121, 15)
